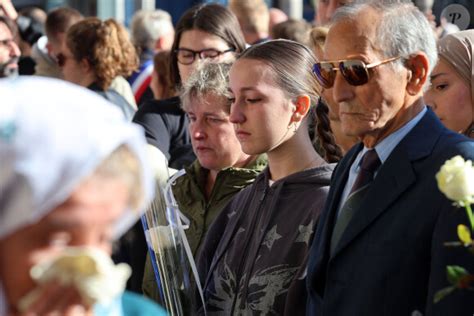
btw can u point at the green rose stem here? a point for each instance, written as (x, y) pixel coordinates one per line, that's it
(469, 215)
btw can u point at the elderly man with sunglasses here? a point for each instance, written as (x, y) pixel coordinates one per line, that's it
(379, 246)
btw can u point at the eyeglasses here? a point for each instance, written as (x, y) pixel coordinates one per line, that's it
(187, 56)
(61, 59)
(354, 71)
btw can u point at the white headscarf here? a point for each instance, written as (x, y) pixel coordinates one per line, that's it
(53, 135)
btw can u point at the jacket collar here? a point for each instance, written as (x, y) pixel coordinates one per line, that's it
(397, 173)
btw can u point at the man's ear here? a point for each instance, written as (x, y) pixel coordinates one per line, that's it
(417, 65)
(159, 44)
(49, 48)
(302, 104)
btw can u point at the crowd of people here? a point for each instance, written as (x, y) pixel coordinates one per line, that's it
(302, 158)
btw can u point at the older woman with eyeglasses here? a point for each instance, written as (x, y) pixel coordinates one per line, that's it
(204, 32)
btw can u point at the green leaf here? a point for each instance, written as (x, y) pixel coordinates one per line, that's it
(455, 273)
(443, 293)
(464, 234)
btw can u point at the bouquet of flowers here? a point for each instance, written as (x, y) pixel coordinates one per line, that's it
(456, 181)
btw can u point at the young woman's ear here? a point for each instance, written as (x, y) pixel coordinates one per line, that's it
(302, 105)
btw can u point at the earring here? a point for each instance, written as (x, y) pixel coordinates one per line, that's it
(294, 125)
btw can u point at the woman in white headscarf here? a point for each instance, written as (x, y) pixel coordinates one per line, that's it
(451, 93)
(73, 178)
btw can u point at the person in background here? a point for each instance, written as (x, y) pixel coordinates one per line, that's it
(94, 53)
(451, 93)
(253, 18)
(151, 32)
(276, 16)
(328, 109)
(253, 260)
(292, 29)
(324, 10)
(48, 47)
(206, 31)
(379, 245)
(9, 51)
(221, 169)
(161, 84)
(30, 22)
(70, 181)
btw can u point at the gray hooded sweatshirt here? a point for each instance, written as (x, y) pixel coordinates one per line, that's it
(253, 261)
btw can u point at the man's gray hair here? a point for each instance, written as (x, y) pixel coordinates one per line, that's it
(208, 78)
(403, 30)
(148, 26)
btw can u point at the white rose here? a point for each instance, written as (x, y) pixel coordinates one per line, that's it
(456, 180)
(91, 271)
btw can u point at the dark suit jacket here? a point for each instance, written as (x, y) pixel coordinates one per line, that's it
(391, 259)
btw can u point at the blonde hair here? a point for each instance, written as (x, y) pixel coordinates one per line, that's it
(317, 37)
(106, 46)
(124, 166)
(292, 29)
(253, 15)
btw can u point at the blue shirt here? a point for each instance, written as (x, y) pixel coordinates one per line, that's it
(383, 149)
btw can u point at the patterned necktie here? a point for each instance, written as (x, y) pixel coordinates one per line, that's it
(369, 164)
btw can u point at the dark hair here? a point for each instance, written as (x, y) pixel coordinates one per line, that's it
(291, 62)
(106, 46)
(326, 140)
(212, 18)
(161, 62)
(60, 20)
(30, 22)
(332, 151)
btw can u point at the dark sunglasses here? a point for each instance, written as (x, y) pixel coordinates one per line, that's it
(354, 71)
(187, 56)
(61, 59)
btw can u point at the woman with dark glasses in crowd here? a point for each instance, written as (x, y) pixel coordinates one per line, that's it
(254, 257)
(208, 31)
(451, 93)
(96, 52)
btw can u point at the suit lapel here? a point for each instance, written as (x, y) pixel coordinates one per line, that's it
(329, 216)
(394, 178)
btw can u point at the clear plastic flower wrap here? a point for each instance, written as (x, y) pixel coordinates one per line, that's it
(170, 254)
